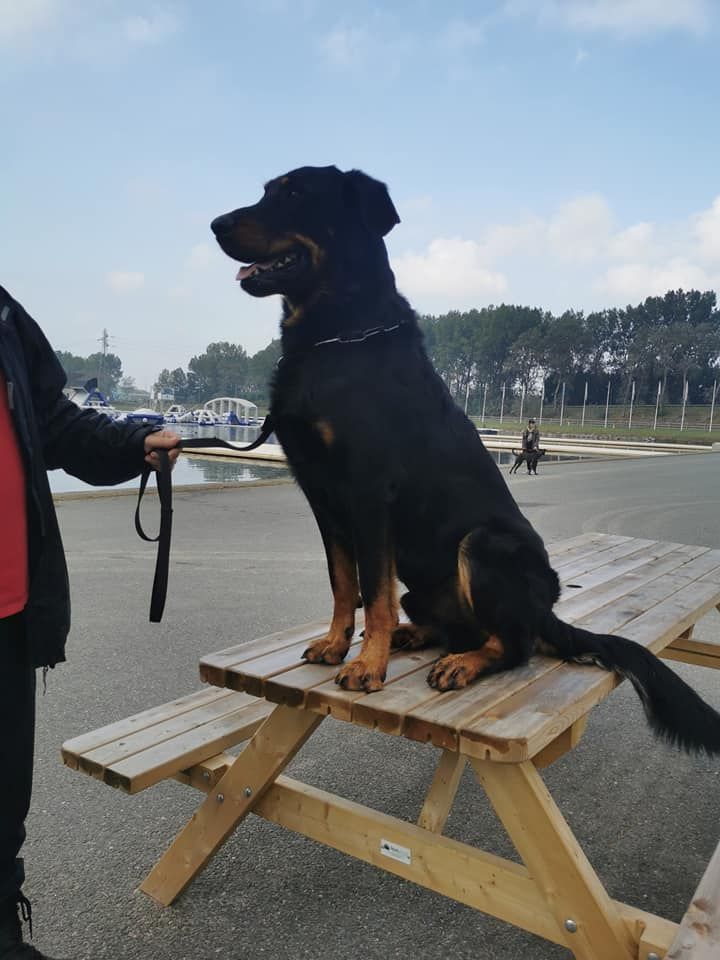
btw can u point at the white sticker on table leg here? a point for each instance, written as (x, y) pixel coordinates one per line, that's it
(395, 851)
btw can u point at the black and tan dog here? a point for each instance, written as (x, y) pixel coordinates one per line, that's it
(396, 475)
(530, 457)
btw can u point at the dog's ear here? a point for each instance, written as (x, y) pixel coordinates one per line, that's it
(372, 200)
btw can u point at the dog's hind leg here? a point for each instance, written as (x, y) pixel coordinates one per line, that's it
(429, 613)
(492, 635)
(457, 670)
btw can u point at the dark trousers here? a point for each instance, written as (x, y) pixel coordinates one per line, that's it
(17, 740)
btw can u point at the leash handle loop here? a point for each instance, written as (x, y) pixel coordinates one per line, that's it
(164, 487)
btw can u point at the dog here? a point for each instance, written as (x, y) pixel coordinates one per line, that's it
(530, 457)
(400, 483)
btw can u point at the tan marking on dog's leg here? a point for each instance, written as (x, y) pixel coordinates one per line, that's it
(367, 671)
(334, 647)
(327, 434)
(457, 670)
(464, 575)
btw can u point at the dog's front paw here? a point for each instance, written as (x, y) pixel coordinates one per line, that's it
(452, 673)
(361, 674)
(327, 650)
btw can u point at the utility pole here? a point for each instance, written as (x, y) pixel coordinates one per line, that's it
(104, 341)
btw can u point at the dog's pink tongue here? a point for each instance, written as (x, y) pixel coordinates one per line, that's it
(245, 272)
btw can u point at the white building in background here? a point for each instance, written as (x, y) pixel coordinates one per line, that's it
(243, 409)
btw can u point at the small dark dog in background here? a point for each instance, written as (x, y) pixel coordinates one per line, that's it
(530, 457)
(396, 475)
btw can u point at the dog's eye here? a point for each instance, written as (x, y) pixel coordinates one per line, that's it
(294, 193)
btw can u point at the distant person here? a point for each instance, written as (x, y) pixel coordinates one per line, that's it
(40, 430)
(531, 445)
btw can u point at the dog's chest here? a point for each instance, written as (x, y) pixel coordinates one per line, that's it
(302, 411)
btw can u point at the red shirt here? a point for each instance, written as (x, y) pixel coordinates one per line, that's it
(13, 517)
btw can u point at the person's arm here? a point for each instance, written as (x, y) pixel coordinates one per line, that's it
(93, 448)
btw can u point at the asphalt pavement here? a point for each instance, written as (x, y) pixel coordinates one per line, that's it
(248, 562)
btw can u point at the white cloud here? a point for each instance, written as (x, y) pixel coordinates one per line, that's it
(707, 231)
(125, 281)
(85, 29)
(451, 269)
(503, 239)
(527, 261)
(633, 243)
(344, 46)
(581, 228)
(23, 17)
(624, 17)
(151, 29)
(634, 281)
(462, 33)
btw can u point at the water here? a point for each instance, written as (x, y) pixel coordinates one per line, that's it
(195, 470)
(506, 458)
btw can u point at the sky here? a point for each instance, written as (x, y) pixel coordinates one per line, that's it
(554, 153)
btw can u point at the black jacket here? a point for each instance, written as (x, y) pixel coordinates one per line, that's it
(54, 432)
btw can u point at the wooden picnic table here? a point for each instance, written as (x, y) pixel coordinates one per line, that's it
(506, 726)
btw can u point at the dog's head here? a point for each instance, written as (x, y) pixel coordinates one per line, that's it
(310, 223)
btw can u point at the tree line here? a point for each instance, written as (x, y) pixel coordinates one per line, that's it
(667, 341)
(106, 367)
(223, 370)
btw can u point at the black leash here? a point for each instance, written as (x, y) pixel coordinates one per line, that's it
(164, 487)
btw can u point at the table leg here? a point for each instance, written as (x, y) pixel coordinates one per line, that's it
(591, 922)
(256, 768)
(440, 796)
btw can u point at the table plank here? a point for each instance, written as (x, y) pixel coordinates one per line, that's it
(584, 545)
(602, 554)
(72, 749)
(650, 591)
(214, 666)
(522, 725)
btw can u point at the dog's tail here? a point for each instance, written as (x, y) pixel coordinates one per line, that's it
(674, 711)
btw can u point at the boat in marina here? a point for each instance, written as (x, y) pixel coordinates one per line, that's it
(145, 415)
(88, 397)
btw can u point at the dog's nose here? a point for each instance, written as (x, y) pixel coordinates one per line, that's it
(222, 224)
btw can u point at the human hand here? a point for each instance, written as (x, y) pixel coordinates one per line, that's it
(161, 440)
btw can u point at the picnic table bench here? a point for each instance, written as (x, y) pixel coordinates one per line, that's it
(506, 726)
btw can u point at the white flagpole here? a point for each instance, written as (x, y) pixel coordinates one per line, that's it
(685, 396)
(562, 404)
(584, 403)
(607, 402)
(657, 404)
(542, 401)
(632, 401)
(484, 399)
(712, 406)
(522, 402)
(502, 403)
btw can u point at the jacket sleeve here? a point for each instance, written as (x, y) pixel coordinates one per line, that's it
(84, 443)
(90, 446)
